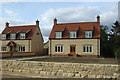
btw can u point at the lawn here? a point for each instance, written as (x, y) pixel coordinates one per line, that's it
(77, 60)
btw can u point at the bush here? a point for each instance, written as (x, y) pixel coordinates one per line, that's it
(117, 52)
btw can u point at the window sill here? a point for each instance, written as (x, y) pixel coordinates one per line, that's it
(88, 52)
(58, 52)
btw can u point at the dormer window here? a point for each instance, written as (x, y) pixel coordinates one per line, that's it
(58, 34)
(73, 34)
(12, 36)
(88, 34)
(3, 36)
(22, 35)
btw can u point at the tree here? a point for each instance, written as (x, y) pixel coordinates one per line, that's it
(105, 47)
(115, 39)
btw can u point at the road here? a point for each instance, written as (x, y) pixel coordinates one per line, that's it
(11, 77)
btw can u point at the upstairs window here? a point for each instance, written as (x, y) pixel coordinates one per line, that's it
(58, 34)
(22, 35)
(88, 34)
(73, 34)
(12, 36)
(3, 36)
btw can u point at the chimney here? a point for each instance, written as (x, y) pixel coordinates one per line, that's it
(55, 21)
(98, 18)
(7, 24)
(37, 23)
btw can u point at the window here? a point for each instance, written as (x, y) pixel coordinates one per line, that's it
(87, 49)
(58, 34)
(3, 48)
(37, 33)
(88, 34)
(21, 49)
(22, 36)
(73, 34)
(58, 48)
(12, 36)
(3, 36)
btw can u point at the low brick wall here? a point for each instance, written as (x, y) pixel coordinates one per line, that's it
(59, 70)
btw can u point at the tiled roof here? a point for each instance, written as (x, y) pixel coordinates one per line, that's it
(20, 29)
(79, 27)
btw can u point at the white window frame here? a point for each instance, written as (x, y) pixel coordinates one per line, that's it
(73, 34)
(88, 50)
(61, 49)
(21, 48)
(3, 48)
(58, 34)
(3, 36)
(22, 35)
(12, 36)
(88, 34)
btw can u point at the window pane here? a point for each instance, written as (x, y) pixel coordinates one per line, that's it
(61, 49)
(90, 49)
(84, 49)
(58, 48)
(23, 48)
(87, 48)
(55, 48)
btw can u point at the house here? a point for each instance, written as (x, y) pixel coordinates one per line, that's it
(46, 47)
(75, 39)
(24, 40)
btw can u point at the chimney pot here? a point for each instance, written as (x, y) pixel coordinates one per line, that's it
(37, 23)
(98, 18)
(55, 21)
(7, 24)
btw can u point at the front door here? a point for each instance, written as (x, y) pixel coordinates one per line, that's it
(72, 50)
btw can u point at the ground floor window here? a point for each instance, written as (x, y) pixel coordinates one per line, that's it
(21, 49)
(3, 48)
(58, 48)
(87, 48)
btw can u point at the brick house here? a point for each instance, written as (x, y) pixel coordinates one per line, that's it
(21, 40)
(75, 39)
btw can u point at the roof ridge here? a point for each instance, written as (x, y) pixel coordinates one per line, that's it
(22, 26)
(75, 23)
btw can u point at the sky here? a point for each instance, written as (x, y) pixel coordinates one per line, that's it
(26, 13)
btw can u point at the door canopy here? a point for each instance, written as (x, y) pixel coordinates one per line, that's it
(11, 43)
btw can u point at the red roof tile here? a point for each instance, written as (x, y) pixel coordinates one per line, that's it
(20, 29)
(79, 27)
